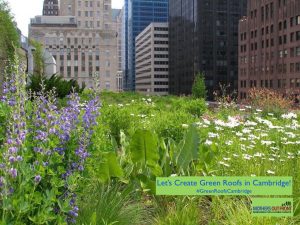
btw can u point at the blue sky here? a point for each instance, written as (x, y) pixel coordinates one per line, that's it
(23, 10)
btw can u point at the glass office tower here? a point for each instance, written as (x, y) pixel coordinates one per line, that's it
(203, 37)
(140, 14)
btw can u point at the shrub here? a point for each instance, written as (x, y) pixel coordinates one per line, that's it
(270, 101)
(199, 89)
(62, 87)
(117, 119)
(196, 107)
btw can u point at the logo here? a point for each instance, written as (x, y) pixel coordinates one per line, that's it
(277, 207)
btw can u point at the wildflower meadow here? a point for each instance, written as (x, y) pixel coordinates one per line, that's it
(92, 158)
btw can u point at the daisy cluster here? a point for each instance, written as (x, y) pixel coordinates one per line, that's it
(261, 145)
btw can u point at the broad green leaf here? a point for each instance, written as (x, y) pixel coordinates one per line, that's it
(147, 184)
(114, 144)
(189, 150)
(115, 169)
(103, 171)
(144, 148)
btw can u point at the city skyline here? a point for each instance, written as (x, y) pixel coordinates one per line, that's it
(22, 17)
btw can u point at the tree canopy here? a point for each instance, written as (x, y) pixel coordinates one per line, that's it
(9, 38)
(199, 89)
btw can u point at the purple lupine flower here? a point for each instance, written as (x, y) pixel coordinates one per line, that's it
(12, 102)
(5, 91)
(12, 150)
(37, 179)
(11, 190)
(13, 89)
(12, 159)
(19, 158)
(41, 135)
(19, 142)
(13, 172)
(80, 168)
(1, 181)
(52, 130)
(73, 213)
(37, 149)
(9, 141)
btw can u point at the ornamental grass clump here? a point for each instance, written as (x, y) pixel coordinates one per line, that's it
(43, 154)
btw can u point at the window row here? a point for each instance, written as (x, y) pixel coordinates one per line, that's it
(279, 83)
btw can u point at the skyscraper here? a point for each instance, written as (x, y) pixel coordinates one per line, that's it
(203, 37)
(138, 15)
(269, 50)
(151, 59)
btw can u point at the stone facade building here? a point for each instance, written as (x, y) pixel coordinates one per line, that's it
(83, 41)
(50, 8)
(117, 19)
(269, 47)
(152, 59)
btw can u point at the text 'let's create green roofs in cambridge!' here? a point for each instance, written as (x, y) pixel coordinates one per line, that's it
(224, 186)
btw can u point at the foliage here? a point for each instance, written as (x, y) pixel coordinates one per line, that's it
(270, 101)
(38, 59)
(43, 155)
(189, 150)
(9, 38)
(224, 143)
(62, 87)
(180, 211)
(4, 113)
(225, 97)
(199, 89)
(112, 204)
(136, 139)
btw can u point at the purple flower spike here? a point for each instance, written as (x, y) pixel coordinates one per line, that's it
(13, 172)
(12, 150)
(37, 179)
(12, 159)
(1, 181)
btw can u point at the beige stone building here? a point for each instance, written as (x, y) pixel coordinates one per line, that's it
(152, 60)
(83, 40)
(117, 23)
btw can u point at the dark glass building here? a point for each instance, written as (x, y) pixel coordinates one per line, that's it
(203, 37)
(140, 13)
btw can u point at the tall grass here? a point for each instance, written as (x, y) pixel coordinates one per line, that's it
(112, 204)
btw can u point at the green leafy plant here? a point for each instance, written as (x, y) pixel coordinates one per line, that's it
(62, 87)
(40, 170)
(9, 38)
(112, 204)
(199, 89)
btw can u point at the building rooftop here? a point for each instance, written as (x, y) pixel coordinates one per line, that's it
(115, 13)
(53, 21)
